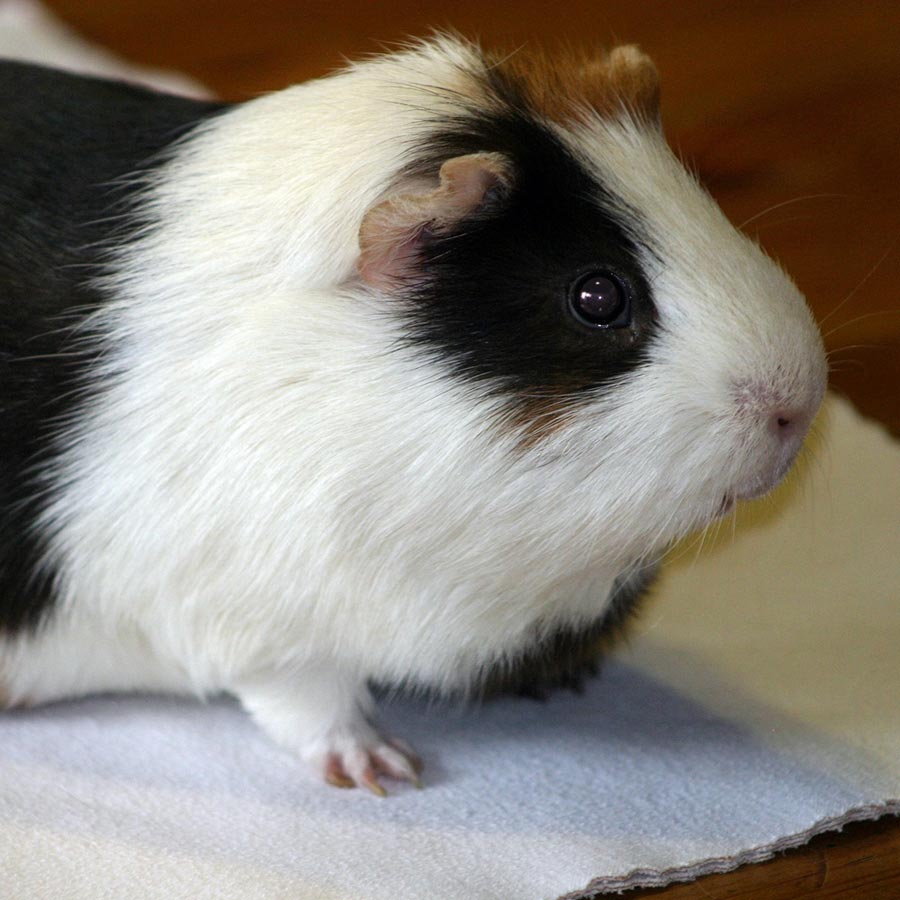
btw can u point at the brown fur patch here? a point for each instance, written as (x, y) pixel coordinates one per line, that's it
(567, 87)
(533, 419)
(536, 420)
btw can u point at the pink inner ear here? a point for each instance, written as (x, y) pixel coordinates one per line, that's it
(391, 231)
(382, 265)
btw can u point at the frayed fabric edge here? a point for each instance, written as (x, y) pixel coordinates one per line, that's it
(655, 878)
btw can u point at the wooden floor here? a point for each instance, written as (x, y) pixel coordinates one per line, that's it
(789, 109)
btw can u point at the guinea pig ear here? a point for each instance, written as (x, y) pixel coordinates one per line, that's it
(624, 75)
(392, 231)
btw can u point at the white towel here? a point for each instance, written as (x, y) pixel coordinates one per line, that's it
(757, 706)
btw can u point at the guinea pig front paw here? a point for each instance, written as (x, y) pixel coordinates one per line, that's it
(349, 762)
(324, 716)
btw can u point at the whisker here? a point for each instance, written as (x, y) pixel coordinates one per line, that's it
(784, 203)
(847, 364)
(834, 350)
(859, 318)
(776, 223)
(867, 276)
(703, 536)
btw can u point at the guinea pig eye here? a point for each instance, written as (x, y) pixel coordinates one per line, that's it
(600, 300)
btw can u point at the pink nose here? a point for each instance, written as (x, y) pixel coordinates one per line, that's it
(786, 417)
(789, 424)
(763, 406)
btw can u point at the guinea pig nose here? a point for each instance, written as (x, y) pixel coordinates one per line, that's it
(786, 419)
(786, 423)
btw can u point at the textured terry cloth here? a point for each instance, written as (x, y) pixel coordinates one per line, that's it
(757, 706)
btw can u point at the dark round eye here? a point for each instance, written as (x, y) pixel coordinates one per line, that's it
(600, 300)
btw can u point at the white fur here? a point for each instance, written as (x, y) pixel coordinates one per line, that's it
(268, 497)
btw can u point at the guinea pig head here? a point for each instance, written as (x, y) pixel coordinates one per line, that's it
(547, 245)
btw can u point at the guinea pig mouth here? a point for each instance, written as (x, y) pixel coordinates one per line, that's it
(755, 489)
(726, 506)
(766, 482)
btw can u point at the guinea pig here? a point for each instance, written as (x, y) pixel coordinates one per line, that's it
(402, 376)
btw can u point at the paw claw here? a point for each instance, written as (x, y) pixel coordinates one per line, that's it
(361, 764)
(371, 782)
(335, 774)
(340, 781)
(408, 753)
(397, 765)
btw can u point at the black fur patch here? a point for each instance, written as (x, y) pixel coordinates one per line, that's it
(492, 298)
(567, 657)
(69, 147)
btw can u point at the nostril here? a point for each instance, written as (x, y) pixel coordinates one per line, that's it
(785, 417)
(787, 424)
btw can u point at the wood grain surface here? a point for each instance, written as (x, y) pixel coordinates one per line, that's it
(790, 112)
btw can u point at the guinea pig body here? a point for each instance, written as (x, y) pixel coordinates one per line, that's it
(390, 376)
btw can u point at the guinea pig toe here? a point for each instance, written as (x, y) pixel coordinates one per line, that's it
(362, 765)
(397, 760)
